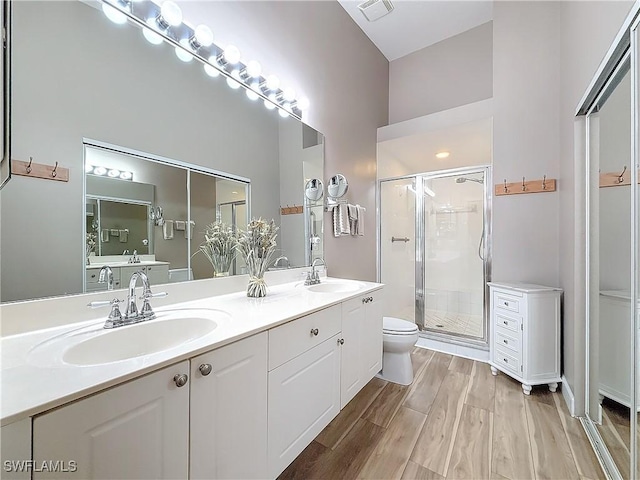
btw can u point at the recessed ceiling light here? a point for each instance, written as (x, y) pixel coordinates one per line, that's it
(444, 154)
(235, 193)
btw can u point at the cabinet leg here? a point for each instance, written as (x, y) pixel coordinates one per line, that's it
(526, 389)
(553, 387)
(494, 371)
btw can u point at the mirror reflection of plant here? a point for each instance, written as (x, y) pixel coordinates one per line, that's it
(220, 242)
(91, 242)
(257, 245)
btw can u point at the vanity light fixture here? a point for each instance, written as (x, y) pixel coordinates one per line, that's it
(126, 175)
(443, 154)
(99, 171)
(164, 22)
(113, 173)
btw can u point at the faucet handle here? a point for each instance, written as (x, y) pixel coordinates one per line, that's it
(148, 294)
(103, 303)
(115, 316)
(147, 311)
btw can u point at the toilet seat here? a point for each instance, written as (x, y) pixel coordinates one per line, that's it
(397, 326)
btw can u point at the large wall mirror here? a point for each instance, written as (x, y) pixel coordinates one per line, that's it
(196, 148)
(612, 398)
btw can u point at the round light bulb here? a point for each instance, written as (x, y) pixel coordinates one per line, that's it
(99, 170)
(126, 175)
(150, 34)
(287, 106)
(254, 69)
(114, 173)
(171, 13)
(88, 168)
(182, 54)
(303, 103)
(289, 94)
(270, 104)
(113, 14)
(273, 82)
(234, 80)
(251, 94)
(283, 113)
(232, 54)
(203, 35)
(443, 154)
(211, 71)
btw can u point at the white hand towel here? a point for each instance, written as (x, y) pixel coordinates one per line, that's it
(167, 230)
(360, 222)
(124, 235)
(340, 220)
(353, 219)
(104, 235)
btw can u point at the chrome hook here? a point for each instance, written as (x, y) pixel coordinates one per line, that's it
(524, 187)
(53, 172)
(29, 166)
(544, 182)
(621, 176)
(506, 190)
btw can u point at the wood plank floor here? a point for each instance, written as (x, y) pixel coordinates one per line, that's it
(456, 421)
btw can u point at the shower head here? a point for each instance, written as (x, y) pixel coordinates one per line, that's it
(465, 179)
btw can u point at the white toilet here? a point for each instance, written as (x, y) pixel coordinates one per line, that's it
(398, 338)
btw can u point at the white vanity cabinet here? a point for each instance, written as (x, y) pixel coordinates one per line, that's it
(157, 272)
(15, 449)
(361, 344)
(304, 383)
(525, 333)
(136, 430)
(229, 411)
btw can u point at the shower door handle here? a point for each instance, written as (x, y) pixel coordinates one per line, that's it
(399, 239)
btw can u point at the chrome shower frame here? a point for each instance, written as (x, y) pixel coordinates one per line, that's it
(419, 179)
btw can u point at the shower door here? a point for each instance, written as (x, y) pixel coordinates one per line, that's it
(433, 251)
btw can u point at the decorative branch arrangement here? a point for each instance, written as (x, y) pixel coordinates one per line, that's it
(257, 246)
(220, 247)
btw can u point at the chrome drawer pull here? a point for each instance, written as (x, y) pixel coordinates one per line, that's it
(505, 342)
(505, 322)
(205, 369)
(506, 361)
(181, 380)
(314, 332)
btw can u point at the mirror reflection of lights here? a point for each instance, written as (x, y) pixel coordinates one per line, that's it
(101, 171)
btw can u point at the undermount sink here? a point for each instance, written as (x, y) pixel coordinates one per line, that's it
(94, 345)
(334, 287)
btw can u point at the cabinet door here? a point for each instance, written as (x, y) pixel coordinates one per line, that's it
(352, 371)
(371, 335)
(304, 396)
(137, 430)
(157, 274)
(229, 411)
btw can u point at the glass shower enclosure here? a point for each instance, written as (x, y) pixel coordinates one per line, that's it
(433, 251)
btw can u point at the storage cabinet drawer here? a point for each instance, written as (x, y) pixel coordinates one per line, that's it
(291, 339)
(506, 339)
(507, 359)
(508, 322)
(504, 301)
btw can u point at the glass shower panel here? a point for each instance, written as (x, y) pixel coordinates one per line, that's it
(454, 249)
(398, 246)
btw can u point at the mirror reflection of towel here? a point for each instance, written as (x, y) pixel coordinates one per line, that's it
(167, 230)
(104, 235)
(340, 220)
(124, 235)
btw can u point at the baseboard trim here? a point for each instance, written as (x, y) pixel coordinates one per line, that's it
(569, 399)
(469, 352)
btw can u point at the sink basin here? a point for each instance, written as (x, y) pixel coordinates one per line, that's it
(334, 287)
(137, 340)
(93, 345)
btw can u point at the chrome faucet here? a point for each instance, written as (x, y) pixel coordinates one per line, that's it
(134, 258)
(312, 275)
(106, 275)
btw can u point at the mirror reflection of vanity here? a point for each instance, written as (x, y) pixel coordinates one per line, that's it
(145, 112)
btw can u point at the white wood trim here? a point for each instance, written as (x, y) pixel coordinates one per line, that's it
(568, 396)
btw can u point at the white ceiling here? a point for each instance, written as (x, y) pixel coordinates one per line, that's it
(415, 24)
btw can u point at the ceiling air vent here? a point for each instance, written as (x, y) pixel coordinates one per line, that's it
(375, 9)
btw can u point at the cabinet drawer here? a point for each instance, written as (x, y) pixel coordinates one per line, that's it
(508, 322)
(291, 339)
(93, 274)
(504, 301)
(508, 340)
(507, 359)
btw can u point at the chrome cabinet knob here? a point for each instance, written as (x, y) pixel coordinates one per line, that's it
(205, 369)
(181, 379)
(371, 299)
(341, 341)
(314, 332)
(365, 300)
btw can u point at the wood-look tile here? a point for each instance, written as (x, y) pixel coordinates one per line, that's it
(305, 464)
(433, 448)
(542, 394)
(552, 457)
(349, 415)
(584, 456)
(386, 404)
(391, 455)
(615, 445)
(413, 471)
(419, 359)
(511, 456)
(352, 453)
(461, 365)
(471, 457)
(495, 476)
(482, 387)
(425, 388)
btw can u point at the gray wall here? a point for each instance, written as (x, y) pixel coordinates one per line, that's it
(450, 73)
(316, 47)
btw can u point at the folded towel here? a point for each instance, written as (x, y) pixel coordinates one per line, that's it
(124, 235)
(353, 218)
(340, 220)
(180, 225)
(360, 222)
(188, 230)
(167, 230)
(104, 235)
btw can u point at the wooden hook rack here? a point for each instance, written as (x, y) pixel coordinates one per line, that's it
(39, 170)
(616, 179)
(526, 186)
(291, 210)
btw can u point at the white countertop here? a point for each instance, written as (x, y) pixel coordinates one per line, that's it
(31, 384)
(142, 263)
(524, 287)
